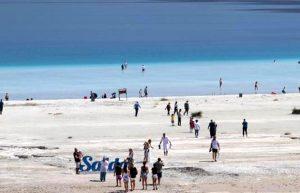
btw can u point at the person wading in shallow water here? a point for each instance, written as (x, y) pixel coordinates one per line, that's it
(214, 148)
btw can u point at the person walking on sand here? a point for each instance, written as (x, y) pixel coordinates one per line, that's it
(132, 173)
(147, 146)
(168, 108)
(197, 128)
(77, 155)
(186, 108)
(144, 175)
(192, 124)
(103, 169)
(245, 128)
(166, 144)
(175, 108)
(159, 164)
(146, 91)
(154, 177)
(256, 87)
(173, 119)
(179, 115)
(212, 127)
(1, 106)
(214, 148)
(136, 108)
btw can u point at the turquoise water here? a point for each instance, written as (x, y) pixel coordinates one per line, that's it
(63, 49)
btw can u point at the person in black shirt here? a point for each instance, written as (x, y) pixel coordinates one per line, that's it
(1, 106)
(245, 128)
(118, 174)
(168, 108)
(133, 173)
(154, 176)
(77, 158)
(186, 108)
(212, 126)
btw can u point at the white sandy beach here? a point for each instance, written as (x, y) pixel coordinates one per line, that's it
(267, 161)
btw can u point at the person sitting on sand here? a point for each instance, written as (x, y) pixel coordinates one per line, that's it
(179, 115)
(168, 108)
(192, 124)
(1, 106)
(125, 177)
(132, 173)
(245, 127)
(118, 174)
(154, 177)
(136, 108)
(166, 144)
(77, 158)
(144, 175)
(173, 120)
(214, 148)
(197, 128)
(159, 164)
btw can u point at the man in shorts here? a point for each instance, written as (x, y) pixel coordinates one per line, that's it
(159, 164)
(118, 174)
(166, 143)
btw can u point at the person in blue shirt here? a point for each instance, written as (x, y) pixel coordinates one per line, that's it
(245, 127)
(136, 108)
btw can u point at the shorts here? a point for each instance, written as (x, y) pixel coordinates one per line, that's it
(132, 179)
(165, 147)
(154, 176)
(118, 177)
(159, 175)
(215, 150)
(77, 164)
(144, 176)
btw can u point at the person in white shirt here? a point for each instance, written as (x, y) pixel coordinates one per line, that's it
(103, 169)
(197, 128)
(215, 148)
(166, 144)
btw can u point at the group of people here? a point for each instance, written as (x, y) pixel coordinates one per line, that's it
(94, 96)
(178, 112)
(145, 92)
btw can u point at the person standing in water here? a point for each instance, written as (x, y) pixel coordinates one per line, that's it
(186, 108)
(214, 148)
(212, 126)
(166, 144)
(245, 128)
(136, 108)
(220, 84)
(168, 108)
(143, 68)
(1, 106)
(146, 92)
(179, 115)
(283, 91)
(256, 87)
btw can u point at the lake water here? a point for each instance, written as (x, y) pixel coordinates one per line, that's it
(64, 49)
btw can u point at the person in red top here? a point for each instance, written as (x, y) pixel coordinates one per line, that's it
(192, 124)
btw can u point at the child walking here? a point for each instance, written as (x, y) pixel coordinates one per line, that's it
(173, 119)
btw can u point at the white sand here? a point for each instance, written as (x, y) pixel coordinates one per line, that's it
(266, 161)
